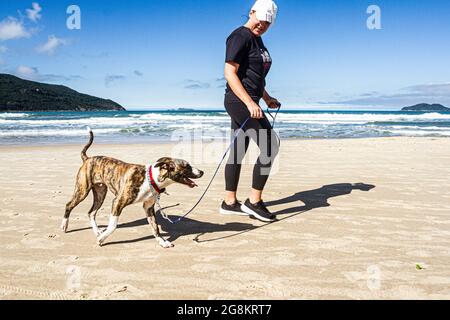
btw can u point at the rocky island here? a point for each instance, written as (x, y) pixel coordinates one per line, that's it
(427, 107)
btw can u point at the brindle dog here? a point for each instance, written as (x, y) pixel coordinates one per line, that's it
(130, 184)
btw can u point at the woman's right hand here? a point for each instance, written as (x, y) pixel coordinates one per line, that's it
(255, 110)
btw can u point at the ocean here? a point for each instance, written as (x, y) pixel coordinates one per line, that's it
(43, 128)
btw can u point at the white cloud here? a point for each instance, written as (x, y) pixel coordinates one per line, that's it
(423, 93)
(195, 84)
(436, 89)
(32, 73)
(34, 14)
(110, 79)
(11, 28)
(27, 72)
(51, 45)
(3, 49)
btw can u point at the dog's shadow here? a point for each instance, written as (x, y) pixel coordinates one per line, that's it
(311, 199)
(185, 227)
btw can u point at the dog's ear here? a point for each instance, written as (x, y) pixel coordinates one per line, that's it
(166, 163)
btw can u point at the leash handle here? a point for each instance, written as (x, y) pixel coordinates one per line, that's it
(274, 118)
(276, 113)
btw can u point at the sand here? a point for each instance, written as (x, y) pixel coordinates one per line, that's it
(358, 219)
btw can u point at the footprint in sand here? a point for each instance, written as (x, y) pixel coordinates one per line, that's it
(35, 268)
(314, 262)
(64, 261)
(204, 267)
(419, 253)
(117, 291)
(247, 275)
(206, 258)
(42, 243)
(227, 244)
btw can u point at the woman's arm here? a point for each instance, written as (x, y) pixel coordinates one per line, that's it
(236, 86)
(270, 101)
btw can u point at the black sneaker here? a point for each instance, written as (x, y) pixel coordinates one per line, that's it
(234, 209)
(258, 210)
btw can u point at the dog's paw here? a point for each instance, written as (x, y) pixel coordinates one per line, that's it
(100, 240)
(65, 225)
(165, 244)
(98, 232)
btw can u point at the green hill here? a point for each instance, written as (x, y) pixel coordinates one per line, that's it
(22, 95)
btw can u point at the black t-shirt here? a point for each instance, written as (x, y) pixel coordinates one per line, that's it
(248, 50)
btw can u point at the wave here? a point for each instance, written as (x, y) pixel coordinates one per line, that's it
(116, 121)
(13, 115)
(83, 121)
(175, 119)
(412, 133)
(306, 124)
(365, 118)
(182, 117)
(432, 128)
(54, 132)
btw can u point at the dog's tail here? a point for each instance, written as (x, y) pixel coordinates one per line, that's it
(86, 147)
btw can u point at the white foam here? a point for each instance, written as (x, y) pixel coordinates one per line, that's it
(53, 132)
(223, 118)
(180, 117)
(13, 115)
(327, 124)
(336, 118)
(432, 128)
(420, 133)
(110, 121)
(117, 121)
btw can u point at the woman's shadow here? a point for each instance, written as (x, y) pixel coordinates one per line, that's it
(317, 198)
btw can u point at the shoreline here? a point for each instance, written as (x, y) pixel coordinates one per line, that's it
(165, 142)
(170, 127)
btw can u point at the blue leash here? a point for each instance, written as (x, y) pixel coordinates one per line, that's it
(165, 216)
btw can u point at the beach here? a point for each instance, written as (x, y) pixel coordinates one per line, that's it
(358, 219)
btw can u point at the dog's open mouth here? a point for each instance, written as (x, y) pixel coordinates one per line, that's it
(188, 182)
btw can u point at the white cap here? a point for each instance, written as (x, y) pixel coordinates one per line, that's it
(265, 10)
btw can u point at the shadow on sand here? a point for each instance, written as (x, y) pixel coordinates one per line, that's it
(317, 198)
(309, 200)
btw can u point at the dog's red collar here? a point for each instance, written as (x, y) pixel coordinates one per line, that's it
(152, 181)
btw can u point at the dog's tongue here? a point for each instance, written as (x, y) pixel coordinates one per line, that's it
(191, 183)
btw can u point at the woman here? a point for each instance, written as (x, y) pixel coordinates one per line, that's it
(247, 64)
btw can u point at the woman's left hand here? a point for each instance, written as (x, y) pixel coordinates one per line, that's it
(273, 103)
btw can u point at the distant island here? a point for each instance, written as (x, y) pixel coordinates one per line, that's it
(23, 95)
(427, 107)
(182, 110)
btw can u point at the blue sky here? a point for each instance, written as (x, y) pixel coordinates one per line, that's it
(168, 54)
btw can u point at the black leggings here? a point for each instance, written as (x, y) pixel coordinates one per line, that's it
(260, 130)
